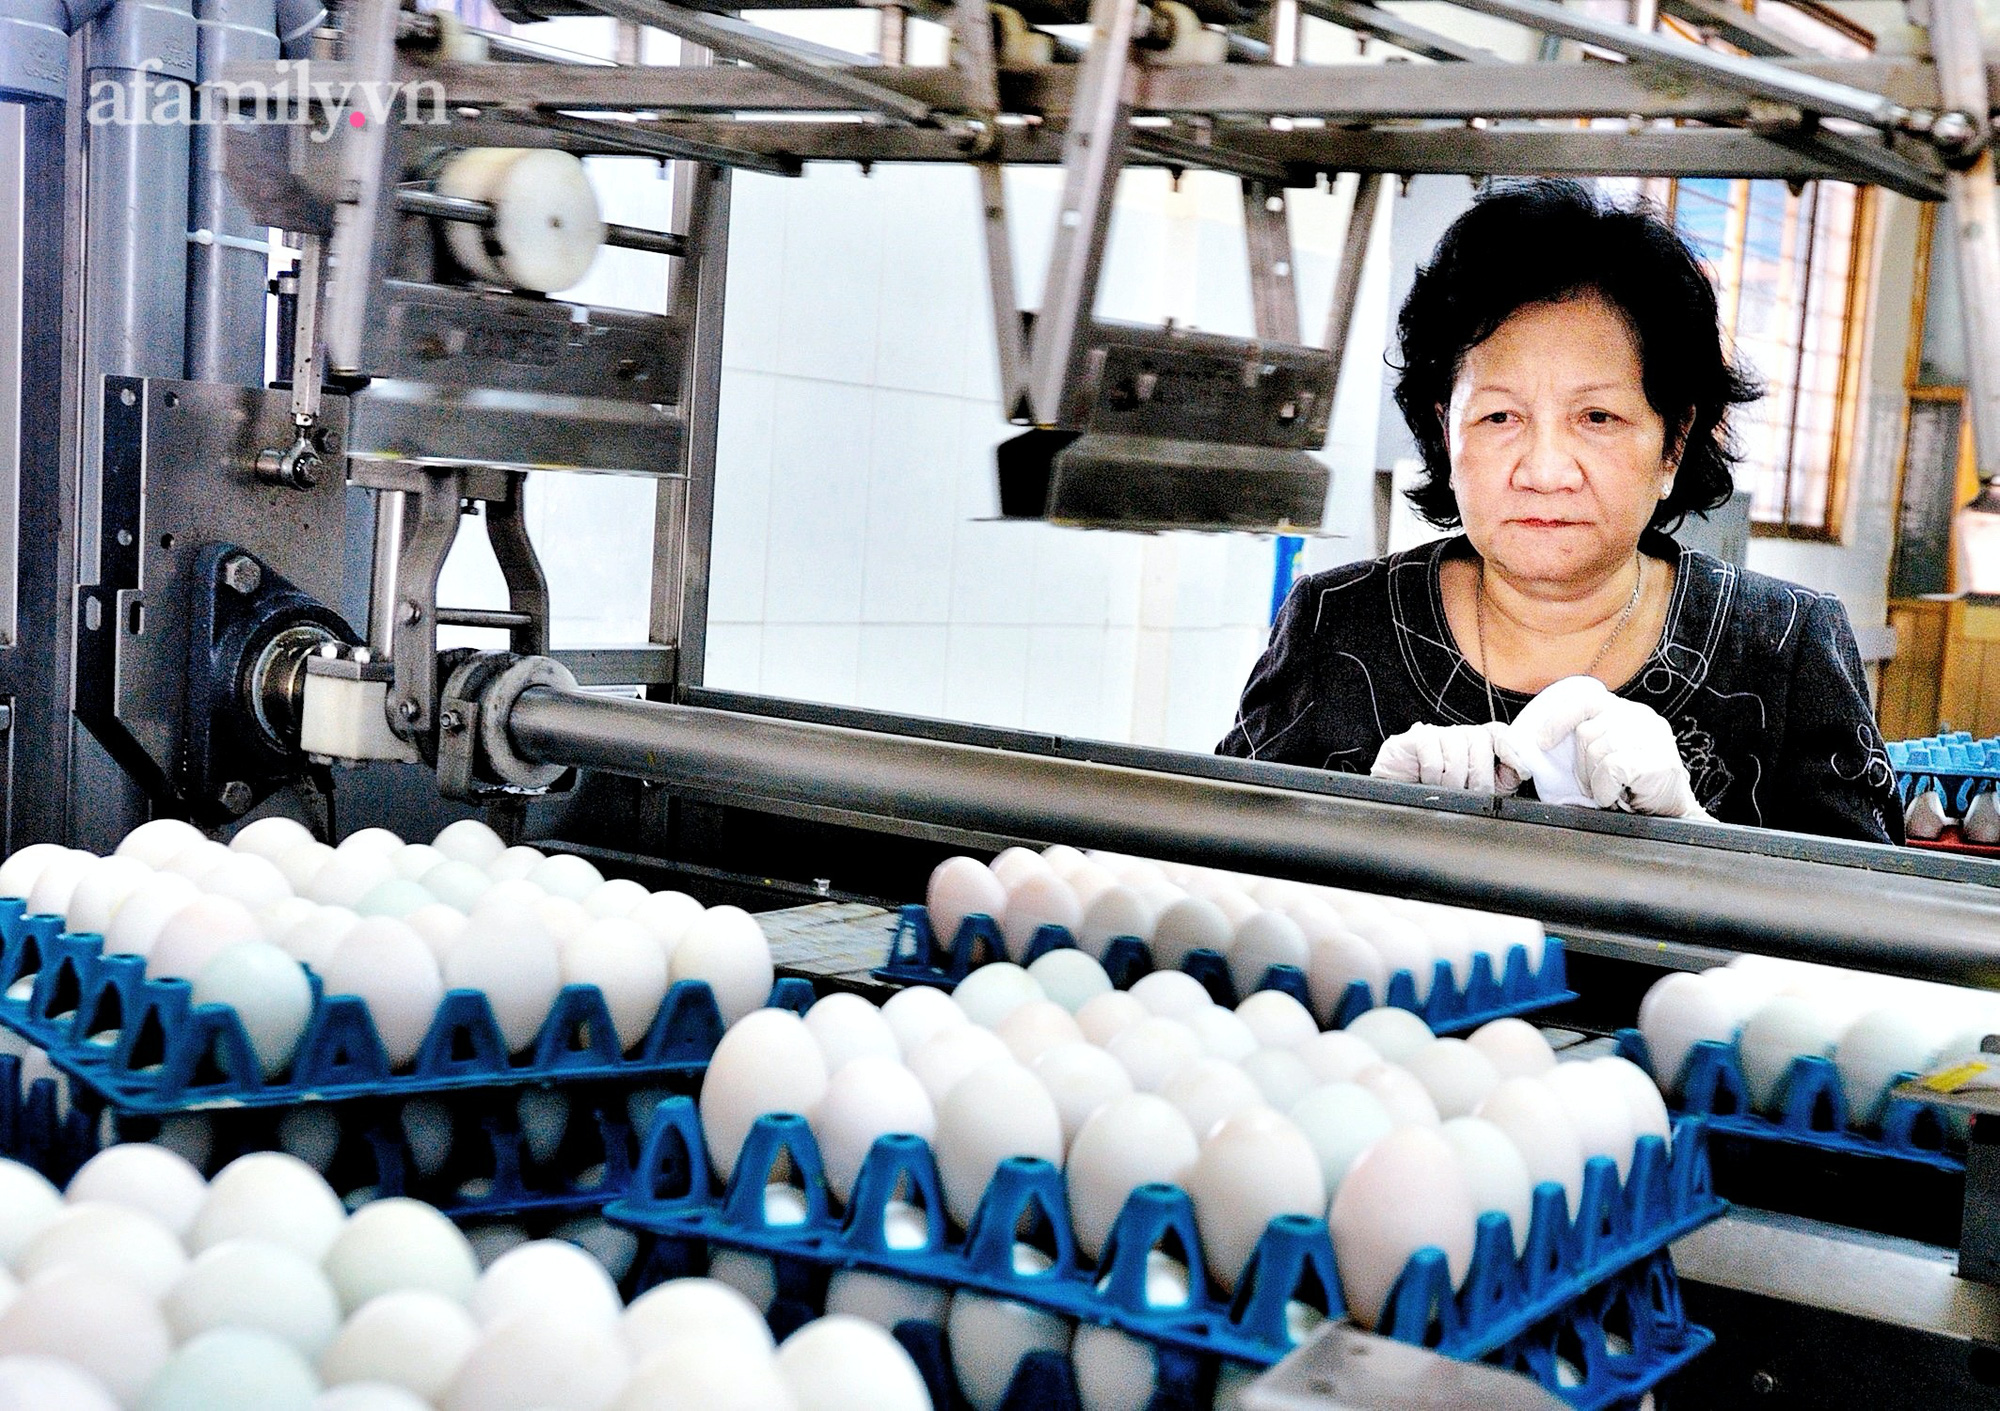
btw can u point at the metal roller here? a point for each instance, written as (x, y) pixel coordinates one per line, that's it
(1640, 886)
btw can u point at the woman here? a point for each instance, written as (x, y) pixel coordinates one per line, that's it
(1565, 379)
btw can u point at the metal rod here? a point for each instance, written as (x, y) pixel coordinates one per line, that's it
(483, 617)
(1393, 29)
(388, 551)
(1634, 885)
(480, 213)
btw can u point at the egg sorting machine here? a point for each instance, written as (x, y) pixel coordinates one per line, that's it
(181, 590)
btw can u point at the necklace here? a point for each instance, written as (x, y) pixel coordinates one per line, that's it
(1479, 619)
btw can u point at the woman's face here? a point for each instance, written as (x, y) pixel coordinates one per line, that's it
(1557, 458)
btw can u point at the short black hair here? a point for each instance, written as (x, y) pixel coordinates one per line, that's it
(1544, 242)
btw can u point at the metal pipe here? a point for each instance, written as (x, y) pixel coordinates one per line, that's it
(226, 275)
(389, 505)
(1640, 886)
(480, 213)
(482, 617)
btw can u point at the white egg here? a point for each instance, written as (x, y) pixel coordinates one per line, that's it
(749, 1274)
(250, 1283)
(1102, 1019)
(545, 1277)
(950, 1055)
(547, 1357)
(1233, 904)
(281, 915)
(270, 994)
(846, 1364)
(1450, 935)
(1335, 959)
(918, 1014)
(399, 1243)
(1015, 865)
(440, 927)
(234, 1369)
(458, 885)
(273, 1196)
(102, 890)
(56, 883)
(1265, 939)
(702, 1310)
(1539, 1126)
(1188, 925)
(990, 1336)
(1080, 1078)
(270, 838)
(1494, 1172)
(376, 842)
(196, 934)
(1255, 1166)
(1336, 1056)
(1596, 1109)
(1777, 1032)
(1222, 1034)
(1515, 1047)
(667, 916)
(1033, 903)
(846, 1027)
(1393, 1033)
(1171, 994)
(619, 958)
(1506, 932)
(1402, 944)
(116, 1240)
(886, 1301)
(255, 881)
(989, 1115)
(1036, 1027)
(515, 863)
(1456, 1075)
(1128, 1142)
(369, 1396)
(1070, 977)
(29, 1383)
(136, 925)
(393, 896)
(510, 898)
(688, 1377)
(1114, 1371)
(1206, 1090)
(469, 841)
(414, 1339)
(1280, 1076)
(416, 861)
(1407, 1100)
(302, 866)
(1277, 1020)
(146, 1177)
(1114, 913)
(1341, 1120)
(347, 877)
(311, 939)
(543, 1114)
(106, 1327)
(1152, 1049)
(1405, 1193)
(155, 843)
(766, 1062)
(960, 887)
(992, 992)
(726, 948)
(1881, 1044)
(1682, 1010)
(384, 962)
(24, 865)
(1642, 1099)
(870, 1096)
(566, 875)
(617, 897)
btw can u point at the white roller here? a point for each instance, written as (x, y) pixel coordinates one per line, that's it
(546, 226)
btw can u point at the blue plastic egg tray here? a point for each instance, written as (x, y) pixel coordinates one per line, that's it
(915, 957)
(147, 1047)
(1505, 1302)
(1955, 764)
(1812, 1110)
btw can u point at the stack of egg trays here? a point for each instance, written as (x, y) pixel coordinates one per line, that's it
(1814, 1111)
(1955, 764)
(172, 1055)
(1609, 1264)
(915, 957)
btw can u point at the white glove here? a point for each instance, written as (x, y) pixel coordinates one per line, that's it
(1481, 758)
(1625, 755)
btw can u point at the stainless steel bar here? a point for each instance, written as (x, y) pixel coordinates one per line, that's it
(1009, 330)
(226, 278)
(648, 140)
(1878, 920)
(466, 212)
(1267, 233)
(1353, 264)
(388, 557)
(1394, 29)
(482, 617)
(1171, 149)
(1974, 220)
(1735, 24)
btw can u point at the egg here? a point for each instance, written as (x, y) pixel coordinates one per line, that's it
(102, 890)
(961, 887)
(1456, 1075)
(766, 1062)
(726, 948)
(867, 1097)
(1407, 1100)
(1596, 1109)
(156, 843)
(667, 916)
(1514, 1047)
(1682, 1010)
(440, 927)
(1265, 939)
(1336, 1056)
(196, 934)
(1103, 1018)
(1277, 1020)
(918, 1014)
(413, 1339)
(1114, 913)
(846, 1027)
(384, 962)
(1393, 1033)
(1014, 866)
(1036, 1027)
(952, 1054)
(566, 875)
(105, 1326)
(846, 1364)
(56, 883)
(399, 1243)
(1450, 935)
(510, 898)
(1279, 1075)
(234, 1369)
(699, 1310)
(1253, 1167)
(1171, 994)
(1033, 903)
(885, 1301)
(458, 885)
(271, 1196)
(245, 877)
(369, 1396)
(1233, 904)
(1152, 1049)
(469, 841)
(1881, 1044)
(994, 1112)
(990, 1336)
(1777, 1032)
(302, 866)
(136, 925)
(1506, 932)
(992, 992)
(1206, 1090)
(545, 1277)
(689, 1377)
(311, 939)
(1341, 1120)
(1079, 1078)
(543, 1114)
(548, 1357)
(619, 958)
(250, 1283)
(1400, 942)
(115, 1240)
(1539, 1126)
(24, 865)
(393, 896)
(1114, 1370)
(1335, 959)
(749, 1274)
(29, 1383)
(270, 994)
(347, 877)
(1494, 1172)
(1405, 1193)
(1070, 977)
(1642, 1099)
(146, 1177)
(1188, 925)
(281, 915)
(374, 842)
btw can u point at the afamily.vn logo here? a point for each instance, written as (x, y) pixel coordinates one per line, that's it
(293, 96)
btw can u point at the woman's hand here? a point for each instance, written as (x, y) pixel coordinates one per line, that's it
(1481, 758)
(1626, 757)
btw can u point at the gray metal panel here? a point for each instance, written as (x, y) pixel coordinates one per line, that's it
(416, 423)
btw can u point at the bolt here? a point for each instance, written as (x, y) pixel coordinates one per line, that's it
(411, 613)
(236, 797)
(1763, 1383)
(242, 574)
(408, 711)
(328, 439)
(451, 722)
(823, 886)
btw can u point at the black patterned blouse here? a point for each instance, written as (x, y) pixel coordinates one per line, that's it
(1760, 679)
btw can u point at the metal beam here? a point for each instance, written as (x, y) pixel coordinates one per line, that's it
(1394, 29)
(1736, 25)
